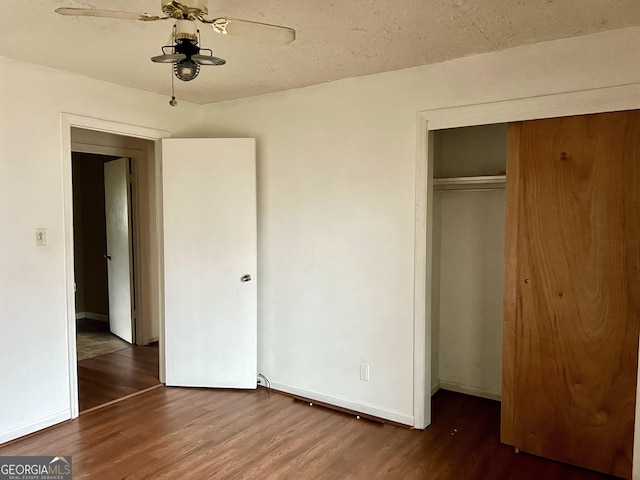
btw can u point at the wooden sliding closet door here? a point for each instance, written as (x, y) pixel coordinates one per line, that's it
(572, 289)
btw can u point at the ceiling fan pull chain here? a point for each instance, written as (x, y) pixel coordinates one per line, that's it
(173, 102)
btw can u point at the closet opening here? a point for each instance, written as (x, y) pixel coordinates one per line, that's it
(469, 169)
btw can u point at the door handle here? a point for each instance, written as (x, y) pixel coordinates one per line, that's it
(245, 278)
(107, 257)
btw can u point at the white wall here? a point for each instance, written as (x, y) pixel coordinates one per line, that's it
(335, 230)
(34, 370)
(336, 204)
(470, 287)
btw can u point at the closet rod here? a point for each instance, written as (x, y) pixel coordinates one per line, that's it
(493, 182)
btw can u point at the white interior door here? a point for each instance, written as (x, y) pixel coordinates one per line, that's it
(118, 255)
(210, 262)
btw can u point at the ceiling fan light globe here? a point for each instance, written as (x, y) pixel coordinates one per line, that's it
(186, 70)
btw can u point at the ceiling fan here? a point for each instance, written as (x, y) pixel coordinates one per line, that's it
(184, 53)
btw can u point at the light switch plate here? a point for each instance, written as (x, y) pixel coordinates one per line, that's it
(41, 237)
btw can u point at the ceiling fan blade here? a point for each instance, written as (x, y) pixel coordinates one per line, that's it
(91, 12)
(254, 30)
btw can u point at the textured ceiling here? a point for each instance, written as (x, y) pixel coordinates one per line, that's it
(335, 39)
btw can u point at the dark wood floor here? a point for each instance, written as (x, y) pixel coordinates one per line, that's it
(170, 433)
(108, 377)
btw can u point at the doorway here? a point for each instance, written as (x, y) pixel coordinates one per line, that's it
(116, 340)
(468, 259)
(97, 299)
(92, 135)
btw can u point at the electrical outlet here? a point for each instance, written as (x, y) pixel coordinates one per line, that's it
(364, 372)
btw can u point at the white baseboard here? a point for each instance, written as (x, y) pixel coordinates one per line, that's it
(93, 316)
(22, 430)
(435, 388)
(469, 390)
(342, 402)
(147, 341)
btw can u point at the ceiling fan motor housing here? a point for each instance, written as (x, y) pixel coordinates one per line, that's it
(185, 29)
(188, 10)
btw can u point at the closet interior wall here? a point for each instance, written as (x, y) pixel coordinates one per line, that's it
(468, 259)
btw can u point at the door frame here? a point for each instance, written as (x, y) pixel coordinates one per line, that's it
(606, 99)
(68, 121)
